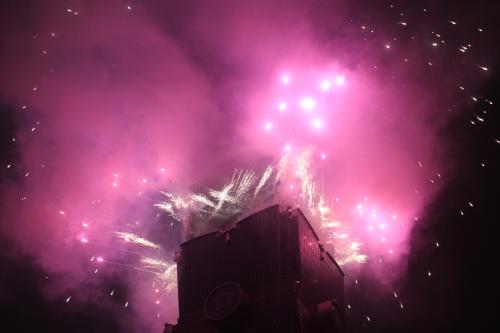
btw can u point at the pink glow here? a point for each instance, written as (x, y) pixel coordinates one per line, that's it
(129, 99)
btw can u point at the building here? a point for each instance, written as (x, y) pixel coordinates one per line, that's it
(269, 273)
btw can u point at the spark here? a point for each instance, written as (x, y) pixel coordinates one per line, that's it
(68, 299)
(285, 79)
(317, 123)
(325, 85)
(132, 238)
(282, 106)
(307, 103)
(268, 126)
(263, 180)
(155, 263)
(202, 199)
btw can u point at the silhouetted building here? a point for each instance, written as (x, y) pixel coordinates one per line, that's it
(267, 274)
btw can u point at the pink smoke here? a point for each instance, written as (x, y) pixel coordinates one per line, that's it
(129, 105)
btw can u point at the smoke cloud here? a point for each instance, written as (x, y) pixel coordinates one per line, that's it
(120, 100)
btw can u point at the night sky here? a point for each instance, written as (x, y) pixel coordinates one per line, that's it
(379, 119)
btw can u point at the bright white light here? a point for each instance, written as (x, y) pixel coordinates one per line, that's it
(282, 106)
(323, 156)
(288, 148)
(307, 103)
(340, 80)
(325, 85)
(285, 79)
(317, 123)
(268, 126)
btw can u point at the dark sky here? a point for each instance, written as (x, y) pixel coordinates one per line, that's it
(90, 89)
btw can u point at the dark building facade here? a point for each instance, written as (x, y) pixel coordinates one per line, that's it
(269, 273)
